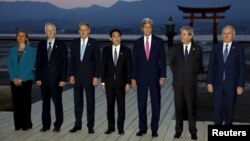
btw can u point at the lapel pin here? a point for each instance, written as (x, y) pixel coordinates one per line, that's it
(193, 49)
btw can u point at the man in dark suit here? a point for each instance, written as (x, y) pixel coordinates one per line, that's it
(84, 72)
(226, 75)
(149, 72)
(186, 63)
(115, 76)
(51, 75)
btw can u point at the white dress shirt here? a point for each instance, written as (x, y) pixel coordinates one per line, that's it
(188, 48)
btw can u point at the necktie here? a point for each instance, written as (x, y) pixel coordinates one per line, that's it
(186, 54)
(115, 56)
(225, 54)
(82, 50)
(49, 50)
(147, 48)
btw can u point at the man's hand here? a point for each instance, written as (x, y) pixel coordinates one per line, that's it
(95, 81)
(127, 88)
(210, 88)
(104, 88)
(72, 80)
(133, 83)
(162, 81)
(61, 84)
(239, 90)
(39, 82)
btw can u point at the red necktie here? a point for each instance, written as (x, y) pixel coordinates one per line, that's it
(147, 49)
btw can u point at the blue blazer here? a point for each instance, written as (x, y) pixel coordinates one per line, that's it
(155, 67)
(234, 66)
(22, 69)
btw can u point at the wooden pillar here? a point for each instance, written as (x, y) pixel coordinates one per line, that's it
(192, 20)
(215, 26)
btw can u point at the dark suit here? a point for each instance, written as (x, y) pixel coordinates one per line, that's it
(51, 73)
(225, 90)
(147, 74)
(185, 83)
(115, 78)
(84, 71)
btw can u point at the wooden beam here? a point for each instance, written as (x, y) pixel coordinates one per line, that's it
(201, 17)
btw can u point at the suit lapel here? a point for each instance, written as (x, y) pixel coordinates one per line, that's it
(231, 51)
(121, 53)
(191, 53)
(88, 46)
(110, 56)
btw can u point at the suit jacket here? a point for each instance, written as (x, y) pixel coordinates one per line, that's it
(186, 72)
(152, 69)
(84, 71)
(24, 68)
(234, 66)
(54, 70)
(121, 72)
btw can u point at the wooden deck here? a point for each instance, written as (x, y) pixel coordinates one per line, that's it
(166, 128)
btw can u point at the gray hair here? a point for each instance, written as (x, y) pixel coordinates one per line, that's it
(229, 26)
(84, 24)
(145, 21)
(189, 30)
(49, 24)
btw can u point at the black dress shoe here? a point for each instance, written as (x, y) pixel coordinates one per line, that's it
(44, 129)
(194, 136)
(140, 133)
(109, 131)
(26, 128)
(91, 131)
(154, 134)
(56, 129)
(177, 135)
(74, 129)
(121, 132)
(19, 128)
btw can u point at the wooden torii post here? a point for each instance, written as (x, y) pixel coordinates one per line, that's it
(205, 13)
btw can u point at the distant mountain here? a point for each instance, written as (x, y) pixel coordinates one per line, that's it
(33, 15)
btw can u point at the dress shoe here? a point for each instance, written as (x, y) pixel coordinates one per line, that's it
(74, 129)
(121, 132)
(44, 129)
(154, 134)
(109, 131)
(194, 136)
(91, 131)
(19, 128)
(140, 133)
(56, 129)
(26, 128)
(177, 135)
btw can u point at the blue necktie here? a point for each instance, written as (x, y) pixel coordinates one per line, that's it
(225, 54)
(82, 50)
(186, 54)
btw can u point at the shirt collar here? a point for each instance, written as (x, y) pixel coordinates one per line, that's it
(149, 37)
(229, 44)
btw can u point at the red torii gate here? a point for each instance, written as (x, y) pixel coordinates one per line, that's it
(205, 13)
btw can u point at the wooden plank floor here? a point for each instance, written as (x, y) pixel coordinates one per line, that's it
(166, 128)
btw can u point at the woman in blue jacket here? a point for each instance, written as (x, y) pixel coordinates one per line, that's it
(20, 66)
